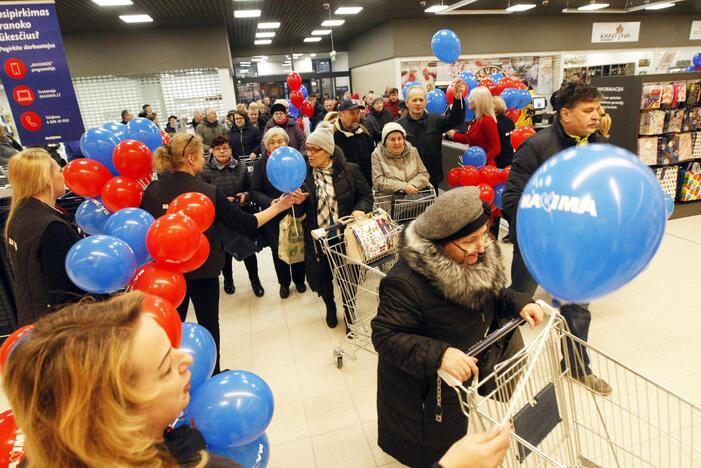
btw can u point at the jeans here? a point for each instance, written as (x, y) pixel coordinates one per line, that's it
(251, 263)
(577, 316)
(205, 297)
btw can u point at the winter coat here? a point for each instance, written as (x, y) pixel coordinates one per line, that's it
(8, 148)
(391, 173)
(209, 131)
(427, 304)
(263, 193)
(426, 134)
(245, 141)
(297, 139)
(357, 147)
(372, 127)
(186, 446)
(482, 133)
(392, 107)
(231, 179)
(381, 118)
(505, 126)
(530, 156)
(352, 193)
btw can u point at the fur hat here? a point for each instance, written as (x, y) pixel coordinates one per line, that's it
(391, 127)
(456, 213)
(322, 137)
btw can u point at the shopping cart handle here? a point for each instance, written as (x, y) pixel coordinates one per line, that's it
(449, 379)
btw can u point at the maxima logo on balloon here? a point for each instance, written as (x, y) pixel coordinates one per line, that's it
(556, 202)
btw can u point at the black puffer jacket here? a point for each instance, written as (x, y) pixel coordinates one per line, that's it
(426, 134)
(262, 194)
(357, 146)
(529, 157)
(427, 304)
(245, 141)
(352, 192)
(382, 118)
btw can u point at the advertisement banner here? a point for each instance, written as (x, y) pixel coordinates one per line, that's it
(35, 74)
(615, 32)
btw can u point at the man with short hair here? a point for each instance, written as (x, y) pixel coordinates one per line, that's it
(210, 128)
(145, 110)
(266, 101)
(353, 138)
(126, 116)
(392, 103)
(575, 125)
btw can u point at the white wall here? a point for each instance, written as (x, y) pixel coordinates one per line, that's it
(376, 76)
(228, 93)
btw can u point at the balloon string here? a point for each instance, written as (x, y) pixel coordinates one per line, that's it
(295, 222)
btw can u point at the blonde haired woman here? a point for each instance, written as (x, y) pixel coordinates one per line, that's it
(483, 130)
(179, 165)
(97, 385)
(38, 237)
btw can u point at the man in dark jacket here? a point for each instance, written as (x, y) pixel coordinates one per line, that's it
(575, 125)
(444, 294)
(424, 130)
(354, 139)
(280, 118)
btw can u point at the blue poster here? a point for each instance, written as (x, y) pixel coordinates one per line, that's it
(35, 74)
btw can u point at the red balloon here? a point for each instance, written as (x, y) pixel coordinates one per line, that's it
(450, 94)
(197, 206)
(173, 238)
(505, 173)
(486, 193)
(296, 98)
(513, 114)
(165, 137)
(469, 176)
(294, 81)
(11, 440)
(165, 315)
(86, 177)
(490, 175)
(307, 109)
(122, 192)
(489, 84)
(133, 159)
(454, 177)
(160, 281)
(9, 344)
(300, 123)
(518, 84)
(197, 260)
(521, 134)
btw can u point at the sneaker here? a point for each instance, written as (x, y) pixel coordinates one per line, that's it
(229, 287)
(301, 287)
(257, 287)
(596, 384)
(284, 292)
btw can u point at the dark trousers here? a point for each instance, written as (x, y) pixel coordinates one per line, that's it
(577, 316)
(282, 270)
(205, 297)
(251, 263)
(350, 276)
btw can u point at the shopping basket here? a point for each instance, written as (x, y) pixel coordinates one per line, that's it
(403, 207)
(357, 271)
(557, 421)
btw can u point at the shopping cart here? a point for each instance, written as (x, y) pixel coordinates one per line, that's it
(557, 421)
(403, 207)
(249, 162)
(357, 276)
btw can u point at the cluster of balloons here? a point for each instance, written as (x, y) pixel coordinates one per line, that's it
(286, 169)
(299, 105)
(520, 134)
(476, 173)
(695, 63)
(593, 190)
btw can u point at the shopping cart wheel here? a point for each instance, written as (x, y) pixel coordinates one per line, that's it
(338, 357)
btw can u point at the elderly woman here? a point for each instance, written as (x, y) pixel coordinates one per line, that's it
(244, 137)
(262, 194)
(396, 164)
(334, 188)
(378, 112)
(210, 128)
(280, 118)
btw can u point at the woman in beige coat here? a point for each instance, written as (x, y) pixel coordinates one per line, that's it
(396, 164)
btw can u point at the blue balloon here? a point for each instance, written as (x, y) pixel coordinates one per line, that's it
(511, 98)
(286, 169)
(131, 225)
(589, 220)
(410, 84)
(254, 454)
(303, 90)
(498, 192)
(436, 101)
(524, 98)
(294, 111)
(668, 205)
(91, 216)
(469, 115)
(100, 264)
(495, 77)
(696, 60)
(690, 68)
(446, 46)
(145, 131)
(119, 129)
(470, 79)
(474, 156)
(232, 408)
(98, 144)
(199, 343)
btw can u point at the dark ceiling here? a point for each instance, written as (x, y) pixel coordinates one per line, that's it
(298, 17)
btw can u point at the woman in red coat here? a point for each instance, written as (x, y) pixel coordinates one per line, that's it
(483, 131)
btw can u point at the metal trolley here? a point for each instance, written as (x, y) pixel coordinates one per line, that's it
(556, 421)
(249, 162)
(358, 279)
(404, 208)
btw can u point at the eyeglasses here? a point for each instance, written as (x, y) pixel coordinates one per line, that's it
(313, 150)
(474, 247)
(223, 148)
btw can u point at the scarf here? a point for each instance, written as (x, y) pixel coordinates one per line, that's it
(327, 206)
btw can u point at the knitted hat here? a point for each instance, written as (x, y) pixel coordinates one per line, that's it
(391, 127)
(322, 137)
(456, 213)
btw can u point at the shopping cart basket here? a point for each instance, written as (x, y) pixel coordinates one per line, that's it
(403, 207)
(249, 162)
(557, 421)
(357, 270)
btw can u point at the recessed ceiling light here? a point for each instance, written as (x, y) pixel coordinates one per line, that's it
(321, 32)
(436, 8)
(331, 23)
(349, 10)
(593, 6)
(521, 7)
(113, 2)
(136, 18)
(659, 6)
(244, 65)
(262, 42)
(312, 39)
(270, 25)
(246, 13)
(296, 55)
(312, 55)
(261, 35)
